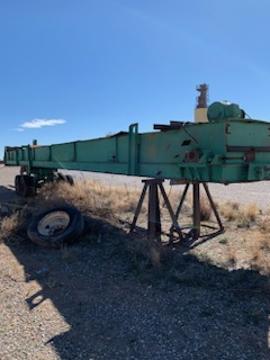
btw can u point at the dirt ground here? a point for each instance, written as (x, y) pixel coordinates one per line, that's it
(97, 300)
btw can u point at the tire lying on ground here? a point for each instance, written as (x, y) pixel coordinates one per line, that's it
(56, 226)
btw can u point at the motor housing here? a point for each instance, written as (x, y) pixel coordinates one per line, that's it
(220, 110)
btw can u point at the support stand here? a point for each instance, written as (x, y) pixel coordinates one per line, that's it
(155, 188)
(154, 223)
(195, 231)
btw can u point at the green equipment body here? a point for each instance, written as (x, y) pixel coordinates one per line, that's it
(225, 150)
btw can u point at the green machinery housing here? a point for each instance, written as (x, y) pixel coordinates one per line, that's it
(227, 149)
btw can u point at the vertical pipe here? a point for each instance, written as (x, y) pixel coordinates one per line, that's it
(29, 159)
(196, 210)
(154, 224)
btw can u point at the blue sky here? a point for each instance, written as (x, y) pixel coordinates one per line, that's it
(90, 67)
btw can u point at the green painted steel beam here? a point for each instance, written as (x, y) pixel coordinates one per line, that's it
(223, 151)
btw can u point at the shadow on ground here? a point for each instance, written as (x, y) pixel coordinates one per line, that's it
(118, 307)
(9, 200)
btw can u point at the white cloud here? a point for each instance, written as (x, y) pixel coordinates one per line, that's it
(39, 123)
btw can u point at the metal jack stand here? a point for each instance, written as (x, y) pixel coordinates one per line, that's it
(195, 231)
(154, 224)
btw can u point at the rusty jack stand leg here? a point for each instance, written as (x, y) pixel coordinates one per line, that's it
(154, 224)
(214, 208)
(196, 229)
(183, 197)
(154, 221)
(196, 211)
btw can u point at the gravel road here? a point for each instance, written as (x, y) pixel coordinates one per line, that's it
(94, 302)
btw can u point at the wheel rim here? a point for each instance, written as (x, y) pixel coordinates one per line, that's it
(54, 223)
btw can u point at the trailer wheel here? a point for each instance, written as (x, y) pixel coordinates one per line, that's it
(25, 185)
(55, 227)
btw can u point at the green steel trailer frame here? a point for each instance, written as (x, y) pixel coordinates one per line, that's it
(223, 151)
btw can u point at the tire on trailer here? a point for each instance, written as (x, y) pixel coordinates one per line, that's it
(56, 226)
(25, 185)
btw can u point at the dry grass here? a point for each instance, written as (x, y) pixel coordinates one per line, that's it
(110, 203)
(243, 216)
(206, 210)
(264, 225)
(92, 197)
(229, 210)
(252, 212)
(250, 249)
(257, 251)
(9, 226)
(113, 202)
(247, 244)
